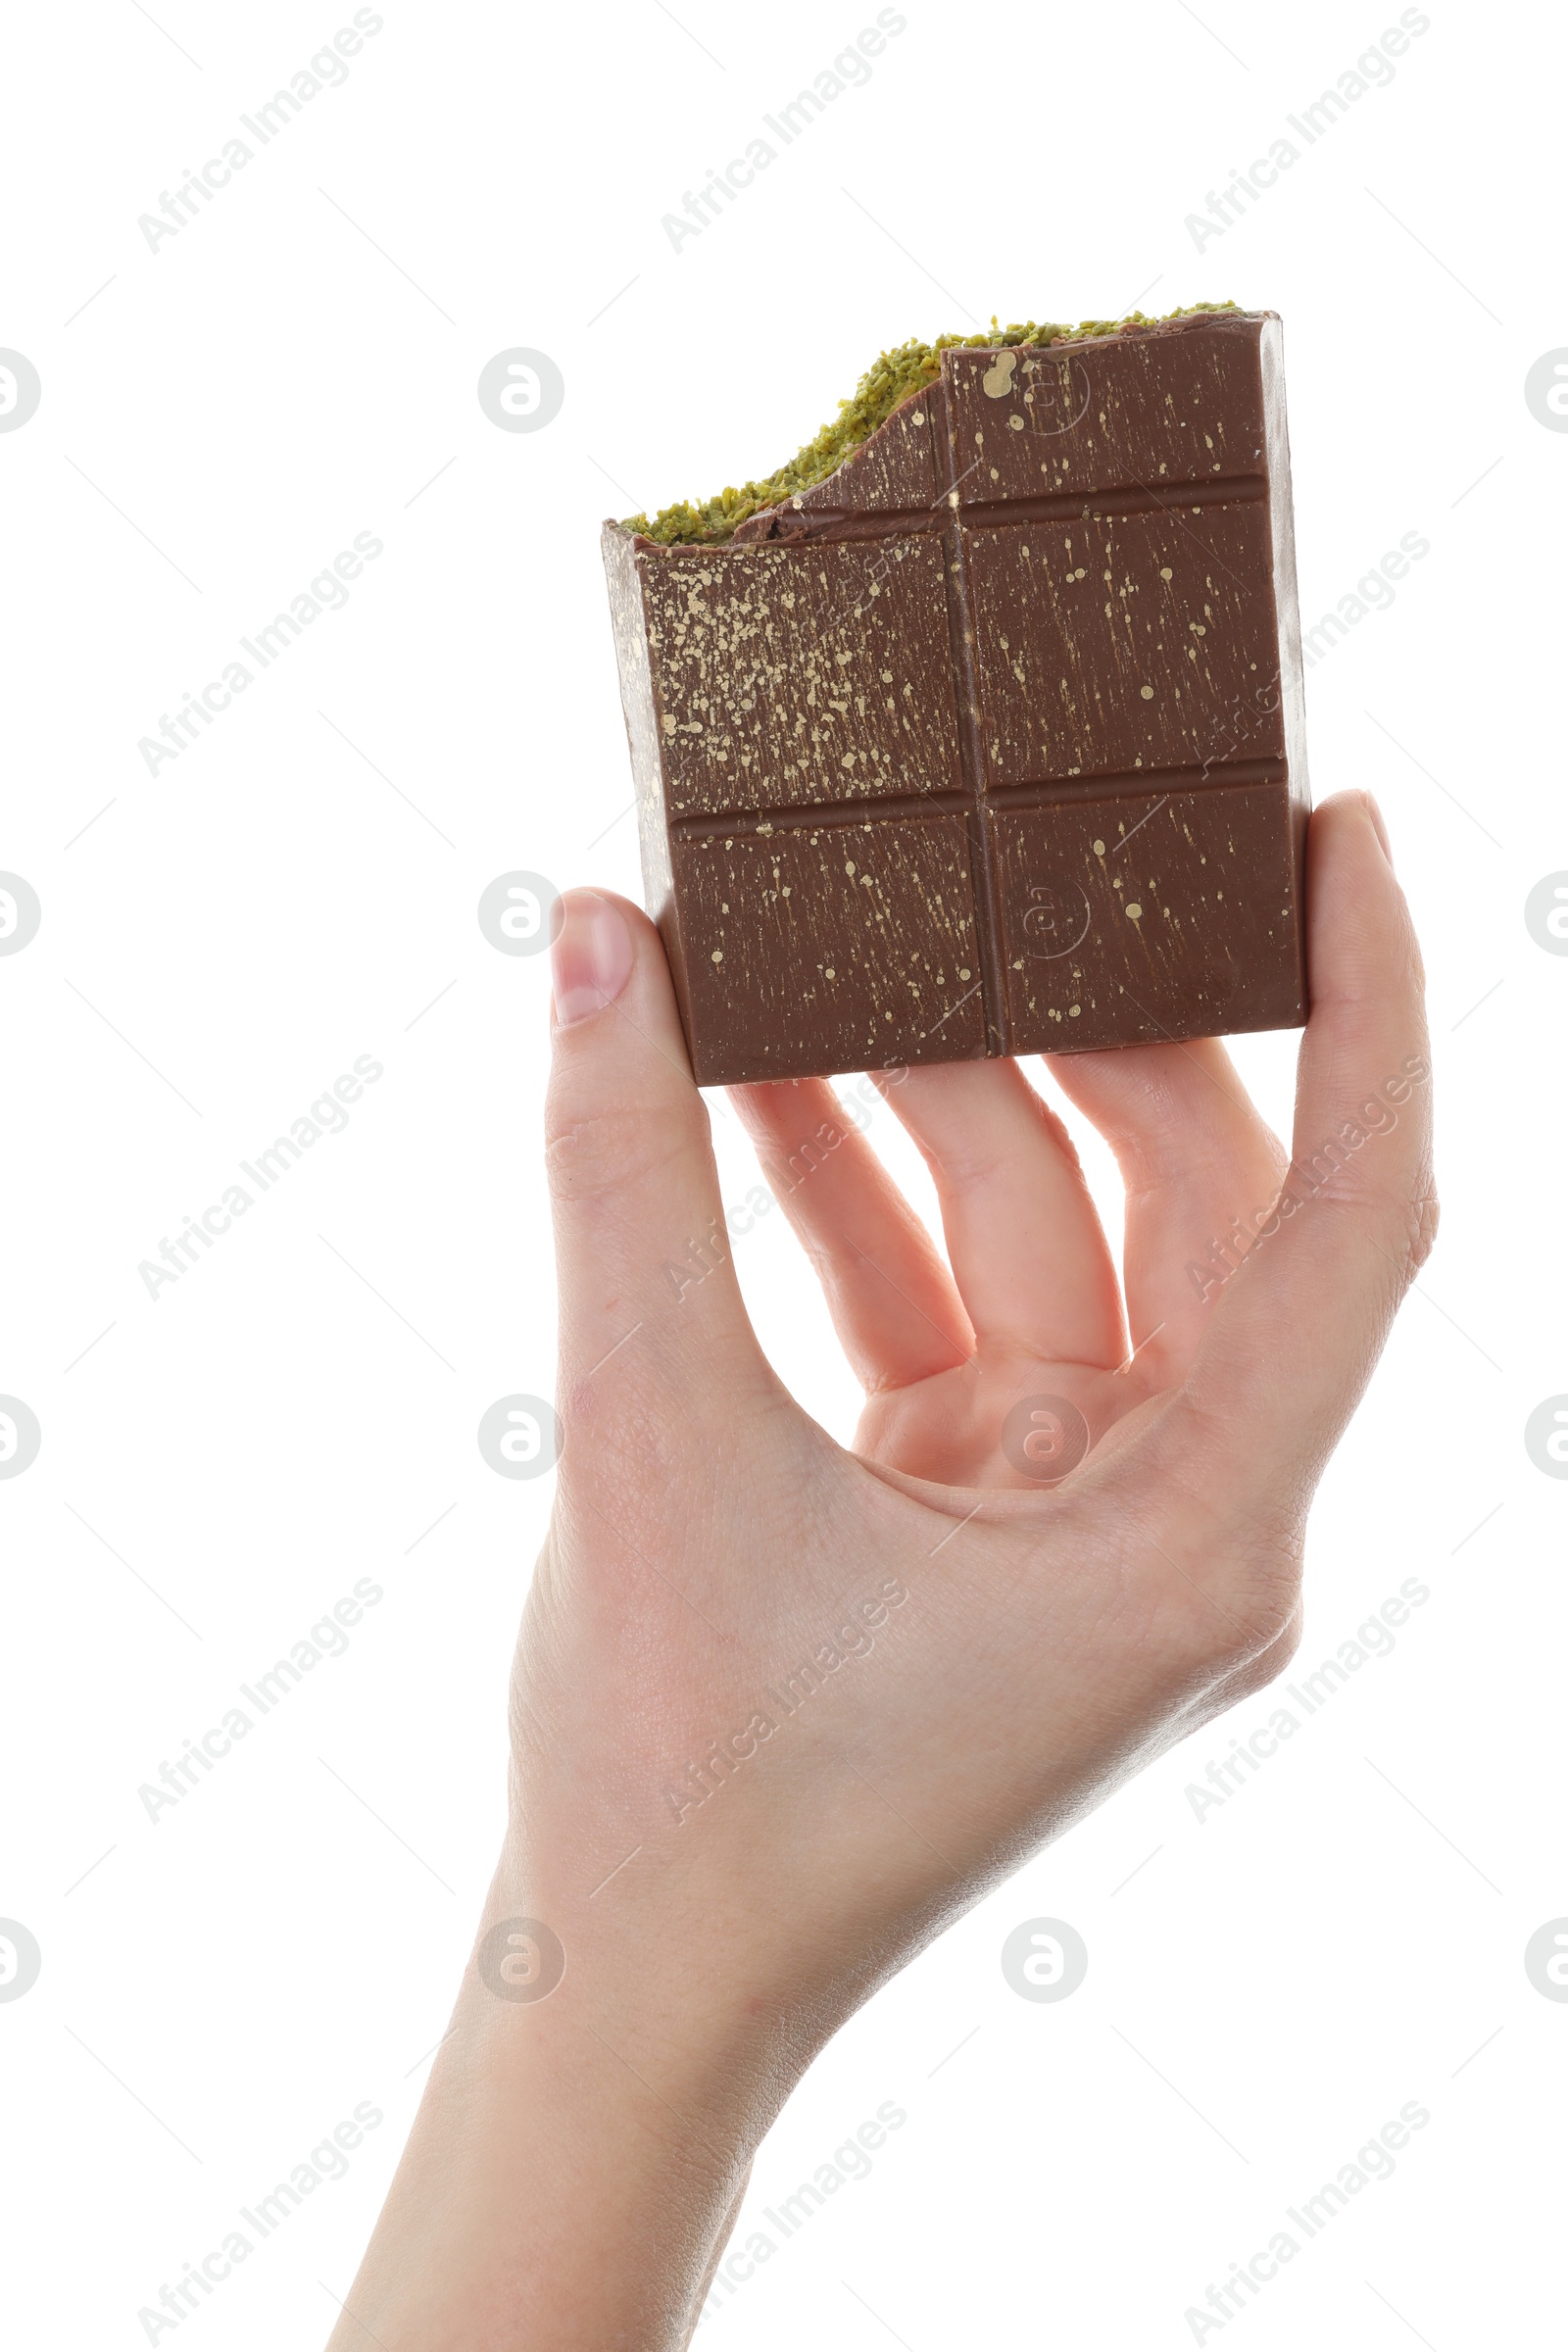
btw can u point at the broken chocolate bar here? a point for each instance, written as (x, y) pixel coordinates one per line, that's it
(991, 739)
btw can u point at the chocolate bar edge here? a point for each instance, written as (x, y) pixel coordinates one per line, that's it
(1286, 617)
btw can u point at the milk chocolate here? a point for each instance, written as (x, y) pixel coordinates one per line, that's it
(993, 741)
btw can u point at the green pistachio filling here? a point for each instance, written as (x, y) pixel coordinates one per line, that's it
(895, 377)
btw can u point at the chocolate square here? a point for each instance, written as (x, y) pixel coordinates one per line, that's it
(1125, 642)
(1119, 927)
(853, 943)
(1184, 401)
(786, 678)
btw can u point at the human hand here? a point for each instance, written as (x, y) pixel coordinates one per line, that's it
(782, 1709)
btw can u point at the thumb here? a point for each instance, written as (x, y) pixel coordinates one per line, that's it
(1297, 1329)
(651, 1327)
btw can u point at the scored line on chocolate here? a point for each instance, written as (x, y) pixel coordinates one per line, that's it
(1036, 793)
(961, 625)
(834, 525)
(840, 529)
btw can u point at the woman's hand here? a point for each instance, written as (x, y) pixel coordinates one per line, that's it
(781, 1710)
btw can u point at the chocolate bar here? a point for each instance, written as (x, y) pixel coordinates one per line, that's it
(990, 740)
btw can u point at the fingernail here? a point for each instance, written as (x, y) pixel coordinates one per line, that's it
(591, 956)
(1377, 826)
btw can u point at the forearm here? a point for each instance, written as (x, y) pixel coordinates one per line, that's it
(572, 2172)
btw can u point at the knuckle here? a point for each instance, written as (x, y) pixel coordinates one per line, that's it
(1403, 1227)
(1282, 1629)
(1244, 1618)
(1426, 1213)
(1408, 1230)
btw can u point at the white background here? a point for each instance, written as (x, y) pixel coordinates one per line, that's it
(299, 888)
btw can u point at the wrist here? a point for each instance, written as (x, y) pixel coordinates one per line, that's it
(581, 2147)
(636, 1982)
